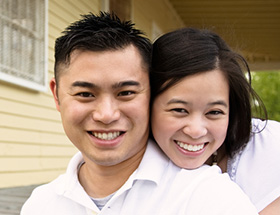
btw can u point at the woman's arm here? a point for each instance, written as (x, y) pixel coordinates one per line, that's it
(272, 209)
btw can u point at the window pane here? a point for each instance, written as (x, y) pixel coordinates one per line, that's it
(22, 42)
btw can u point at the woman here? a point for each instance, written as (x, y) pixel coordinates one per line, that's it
(201, 113)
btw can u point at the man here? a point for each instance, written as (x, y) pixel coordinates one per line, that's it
(101, 89)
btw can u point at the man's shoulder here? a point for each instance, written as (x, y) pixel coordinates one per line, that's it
(199, 176)
(158, 163)
(51, 187)
(42, 197)
(168, 173)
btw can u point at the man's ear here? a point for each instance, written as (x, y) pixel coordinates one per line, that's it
(53, 87)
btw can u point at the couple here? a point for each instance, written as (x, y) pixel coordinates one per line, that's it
(106, 75)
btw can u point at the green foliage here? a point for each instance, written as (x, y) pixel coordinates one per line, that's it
(267, 85)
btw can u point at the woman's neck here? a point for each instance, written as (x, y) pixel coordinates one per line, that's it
(220, 159)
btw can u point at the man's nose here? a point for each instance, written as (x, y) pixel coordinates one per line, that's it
(106, 110)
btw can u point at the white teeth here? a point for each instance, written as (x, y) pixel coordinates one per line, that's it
(192, 148)
(106, 136)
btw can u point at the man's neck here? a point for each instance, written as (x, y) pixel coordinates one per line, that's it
(101, 181)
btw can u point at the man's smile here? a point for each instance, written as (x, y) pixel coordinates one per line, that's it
(106, 135)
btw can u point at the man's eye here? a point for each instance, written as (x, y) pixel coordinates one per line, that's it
(126, 93)
(85, 94)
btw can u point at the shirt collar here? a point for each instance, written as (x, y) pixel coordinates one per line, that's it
(153, 164)
(70, 186)
(151, 168)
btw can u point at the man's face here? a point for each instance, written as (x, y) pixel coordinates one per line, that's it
(103, 98)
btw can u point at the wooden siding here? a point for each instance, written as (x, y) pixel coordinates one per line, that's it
(33, 146)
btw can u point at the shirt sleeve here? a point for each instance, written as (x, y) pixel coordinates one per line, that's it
(220, 197)
(258, 170)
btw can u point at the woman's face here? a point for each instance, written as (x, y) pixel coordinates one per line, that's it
(190, 119)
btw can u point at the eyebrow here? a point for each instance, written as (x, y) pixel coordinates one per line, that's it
(126, 83)
(178, 101)
(86, 84)
(83, 84)
(174, 101)
(218, 102)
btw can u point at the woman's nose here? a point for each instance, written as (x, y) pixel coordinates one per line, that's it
(195, 128)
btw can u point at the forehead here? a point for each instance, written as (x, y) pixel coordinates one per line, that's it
(204, 83)
(128, 48)
(105, 66)
(206, 76)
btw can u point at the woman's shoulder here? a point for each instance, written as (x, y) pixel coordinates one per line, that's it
(265, 127)
(262, 147)
(264, 143)
(256, 167)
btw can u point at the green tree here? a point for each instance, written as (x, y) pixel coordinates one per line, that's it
(267, 85)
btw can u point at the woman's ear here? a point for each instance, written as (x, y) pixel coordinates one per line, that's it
(53, 87)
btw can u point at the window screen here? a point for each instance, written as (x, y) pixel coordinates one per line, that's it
(23, 42)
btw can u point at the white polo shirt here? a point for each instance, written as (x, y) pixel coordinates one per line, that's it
(157, 187)
(256, 168)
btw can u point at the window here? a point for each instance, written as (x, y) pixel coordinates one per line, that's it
(23, 43)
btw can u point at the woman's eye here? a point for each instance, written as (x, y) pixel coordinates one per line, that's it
(179, 110)
(215, 112)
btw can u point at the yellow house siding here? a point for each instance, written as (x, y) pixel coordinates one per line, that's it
(33, 148)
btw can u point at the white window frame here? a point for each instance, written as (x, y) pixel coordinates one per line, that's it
(40, 68)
